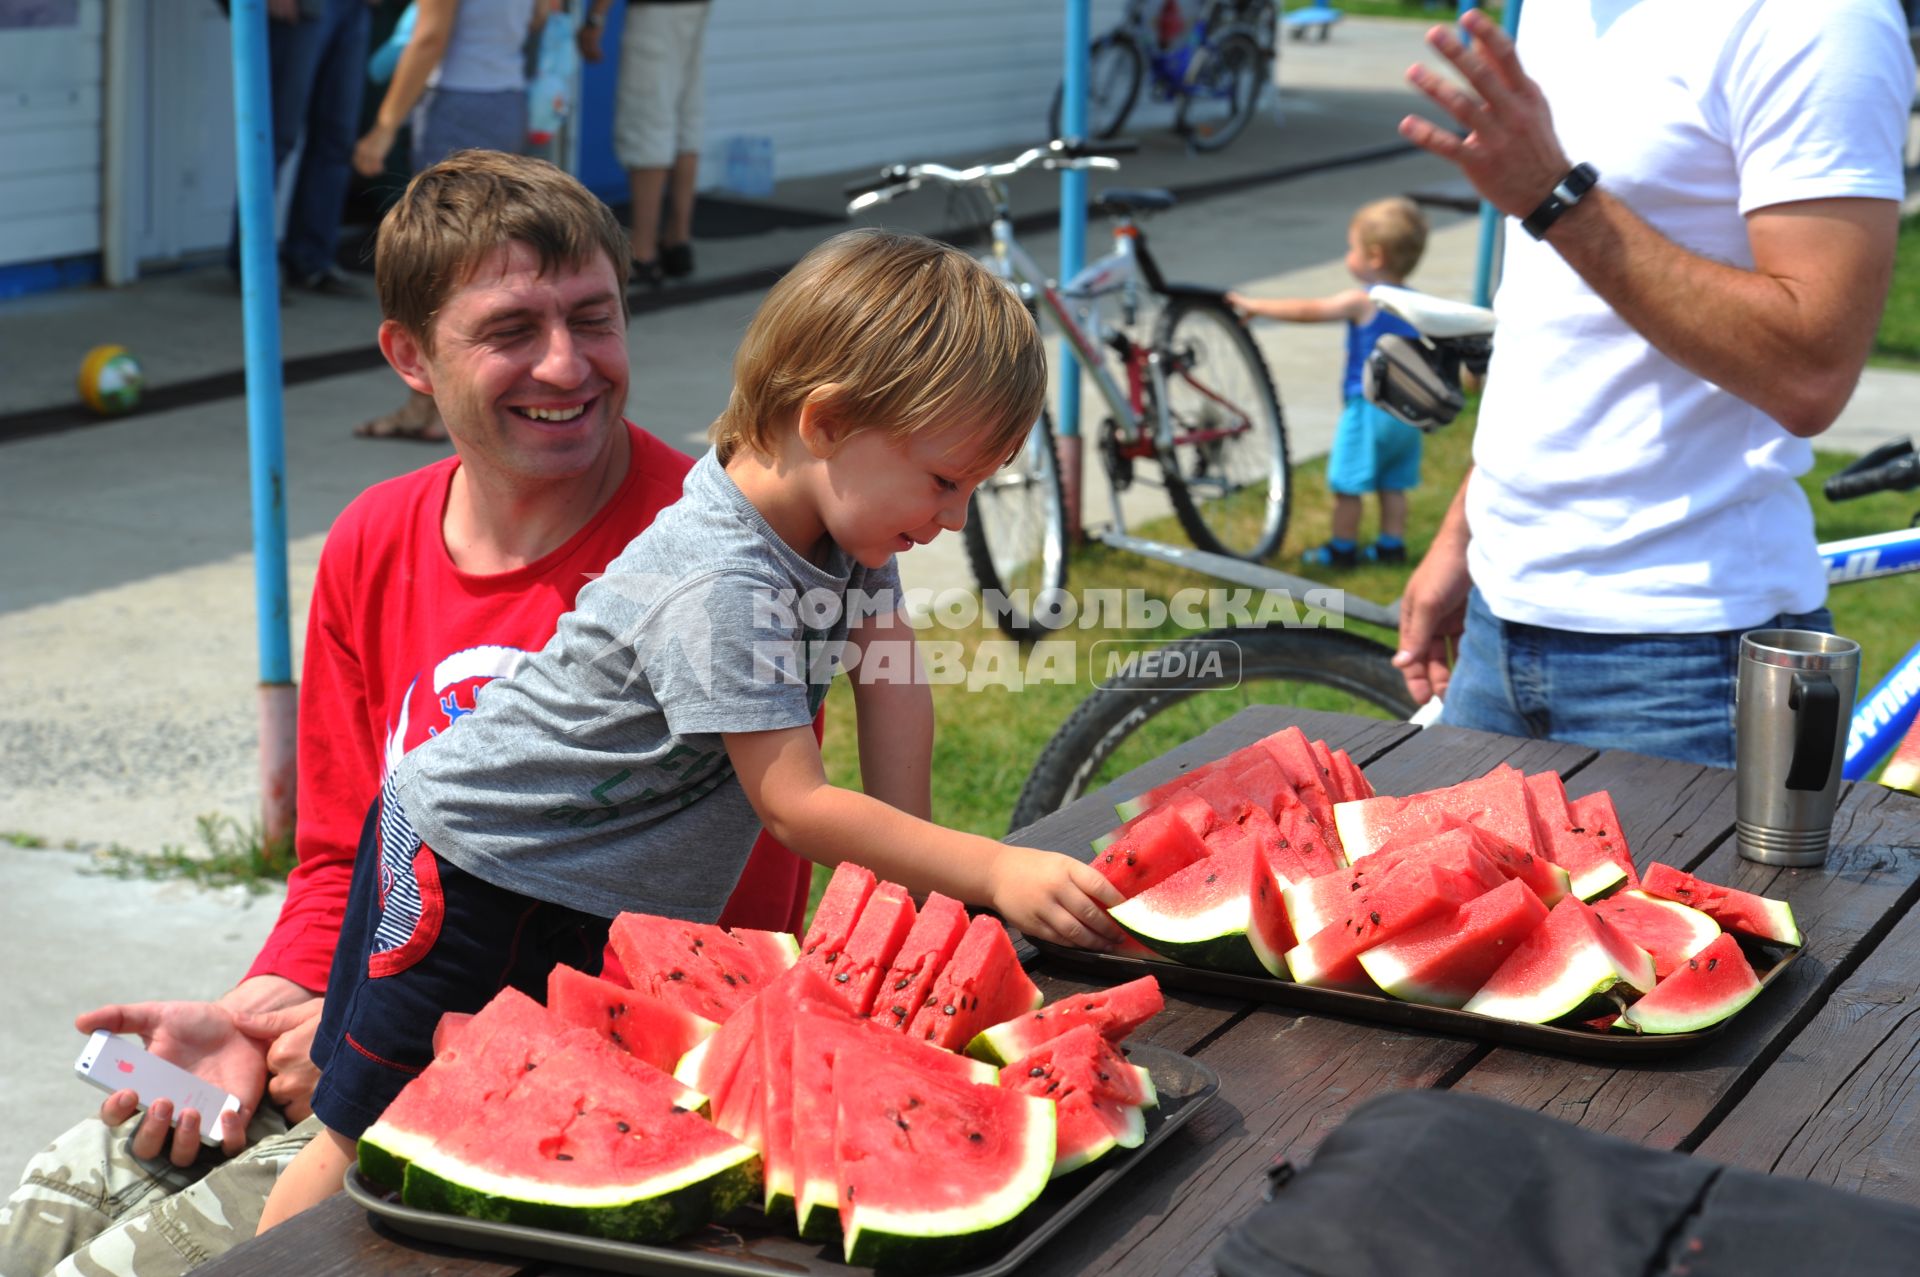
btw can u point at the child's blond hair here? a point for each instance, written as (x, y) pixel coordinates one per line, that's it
(914, 333)
(1397, 228)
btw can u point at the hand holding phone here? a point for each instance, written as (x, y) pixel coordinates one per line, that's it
(116, 1064)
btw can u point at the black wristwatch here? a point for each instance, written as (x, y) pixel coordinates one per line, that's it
(1578, 181)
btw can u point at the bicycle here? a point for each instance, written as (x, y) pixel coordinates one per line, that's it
(1132, 718)
(1215, 68)
(1194, 397)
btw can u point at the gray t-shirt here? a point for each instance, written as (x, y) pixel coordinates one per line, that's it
(594, 776)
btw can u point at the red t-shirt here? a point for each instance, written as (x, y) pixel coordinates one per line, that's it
(398, 641)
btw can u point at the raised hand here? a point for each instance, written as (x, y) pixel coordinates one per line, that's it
(1509, 151)
(1055, 898)
(204, 1039)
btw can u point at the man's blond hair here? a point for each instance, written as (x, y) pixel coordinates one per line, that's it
(455, 213)
(1396, 227)
(914, 333)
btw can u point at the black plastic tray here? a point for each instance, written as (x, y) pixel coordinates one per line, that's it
(747, 1243)
(1597, 1044)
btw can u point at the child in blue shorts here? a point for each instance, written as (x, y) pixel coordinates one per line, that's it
(1373, 451)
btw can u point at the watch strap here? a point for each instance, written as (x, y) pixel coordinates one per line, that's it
(1566, 193)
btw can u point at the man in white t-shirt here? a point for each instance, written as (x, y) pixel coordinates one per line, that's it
(1709, 199)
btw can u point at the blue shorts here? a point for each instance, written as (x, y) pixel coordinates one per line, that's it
(422, 937)
(1669, 695)
(1373, 451)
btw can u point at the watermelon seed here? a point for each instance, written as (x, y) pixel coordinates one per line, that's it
(1578, 830)
(947, 1009)
(698, 944)
(849, 1192)
(914, 1102)
(622, 1127)
(1713, 964)
(1354, 885)
(1054, 1085)
(902, 983)
(679, 1108)
(530, 1066)
(834, 956)
(676, 975)
(974, 1136)
(842, 976)
(728, 977)
(899, 1013)
(1375, 915)
(563, 1157)
(617, 1039)
(898, 1121)
(1036, 1071)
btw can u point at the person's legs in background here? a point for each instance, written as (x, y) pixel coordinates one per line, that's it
(332, 118)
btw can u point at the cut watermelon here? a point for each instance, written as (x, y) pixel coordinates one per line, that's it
(1595, 820)
(591, 1141)
(835, 917)
(1702, 991)
(1133, 808)
(1313, 844)
(1189, 808)
(1347, 774)
(725, 1068)
(936, 933)
(1098, 1095)
(1590, 869)
(1323, 761)
(1668, 930)
(699, 968)
(449, 1027)
(773, 1020)
(1403, 896)
(1291, 749)
(1260, 778)
(980, 986)
(1152, 849)
(885, 922)
(1319, 902)
(930, 1167)
(1115, 1012)
(638, 1023)
(1201, 915)
(1548, 880)
(1903, 769)
(1446, 960)
(1497, 802)
(1564, 968)
(1740, 911)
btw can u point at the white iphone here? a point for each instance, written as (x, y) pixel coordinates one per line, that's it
(117, 1064)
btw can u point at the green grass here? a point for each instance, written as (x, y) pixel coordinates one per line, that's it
(230, 854)
(1898, 342)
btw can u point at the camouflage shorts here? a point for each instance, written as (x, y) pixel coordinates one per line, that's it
(88, 1206)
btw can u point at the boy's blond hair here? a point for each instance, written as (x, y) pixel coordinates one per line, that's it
(914, 333)
(1396, 227)
(455, 213)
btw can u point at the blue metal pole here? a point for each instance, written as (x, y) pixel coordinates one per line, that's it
(1489, 215)
(266, 445)
(1073, 195)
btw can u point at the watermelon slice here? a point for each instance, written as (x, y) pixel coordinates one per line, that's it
(1590, 869)
(1312, 843)
(1115, 1012)
(1740, 911)
(1595, 820)
(1445, 961)
(591, 1141)
(1435, 826)
(1260, 778)
(1323, 762)
(1403, 896)
(1133, 808)
(1702, 991)
(936, 933)
(726, 1069)
(1903, 769)
(820, 1032)
(835, 917)
(930, 1167)
(1497, 802)
(1347, 774)
(1097, 1093)
(1151, 849)
(1321, 901)
(643, 1026)
(1564, 968)
(448, 1028)
(1291, 749)
(980, 986)
(1668, 930)
(885, 922)
(773, 1021)
(1201, 915)
(699, 968)
(1193, 811)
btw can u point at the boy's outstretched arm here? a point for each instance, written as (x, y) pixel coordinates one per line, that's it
(1045, 894)
(1353, 305)
(893, 707)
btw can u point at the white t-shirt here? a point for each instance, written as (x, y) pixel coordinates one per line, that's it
(1614, 491)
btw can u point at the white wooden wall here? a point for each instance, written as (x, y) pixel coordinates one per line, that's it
(50, 138)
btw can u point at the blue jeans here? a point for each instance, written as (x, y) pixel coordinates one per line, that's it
(317, 72)
(1669, 695)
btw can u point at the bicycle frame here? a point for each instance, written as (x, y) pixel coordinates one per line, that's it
(1885, 714)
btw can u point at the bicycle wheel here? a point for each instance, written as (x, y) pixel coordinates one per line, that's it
(1223, 94)
(1132, 720)
(1016, 533)
(1226, 464)
(1114, 68)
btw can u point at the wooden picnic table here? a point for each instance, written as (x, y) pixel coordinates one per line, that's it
(1819, 1078)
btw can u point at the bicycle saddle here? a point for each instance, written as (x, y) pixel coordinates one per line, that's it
(1433, 316)
(1127, 199)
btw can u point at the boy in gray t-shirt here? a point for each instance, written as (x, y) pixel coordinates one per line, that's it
(629, 763)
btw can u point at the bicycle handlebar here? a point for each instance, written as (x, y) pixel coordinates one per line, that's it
(1892, 467)
(898, 179)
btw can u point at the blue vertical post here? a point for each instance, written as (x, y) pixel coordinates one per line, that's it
(266, 445)
(1073, 242)
(1489, 215)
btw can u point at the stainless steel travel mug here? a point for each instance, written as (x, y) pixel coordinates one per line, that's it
(1794, 701)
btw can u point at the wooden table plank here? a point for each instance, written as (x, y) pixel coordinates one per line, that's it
(336, 1239)
(1843, 909)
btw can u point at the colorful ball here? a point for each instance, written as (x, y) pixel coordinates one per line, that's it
(110, 380)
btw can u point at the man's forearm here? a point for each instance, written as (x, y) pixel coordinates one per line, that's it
(1783, 339)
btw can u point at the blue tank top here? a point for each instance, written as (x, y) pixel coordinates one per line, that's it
(1360, 340)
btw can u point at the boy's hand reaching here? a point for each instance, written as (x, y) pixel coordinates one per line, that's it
(1054, 898)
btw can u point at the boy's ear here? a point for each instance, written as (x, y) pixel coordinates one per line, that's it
(404, 351)
(818, 425)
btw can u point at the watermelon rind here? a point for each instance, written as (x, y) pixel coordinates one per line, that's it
(1596, 878)
(657, 1209)
(1588, 968)
(1116, 1012)
(385, 1151)
(919, 1240)
(1215, 939)
(1675, 1007)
